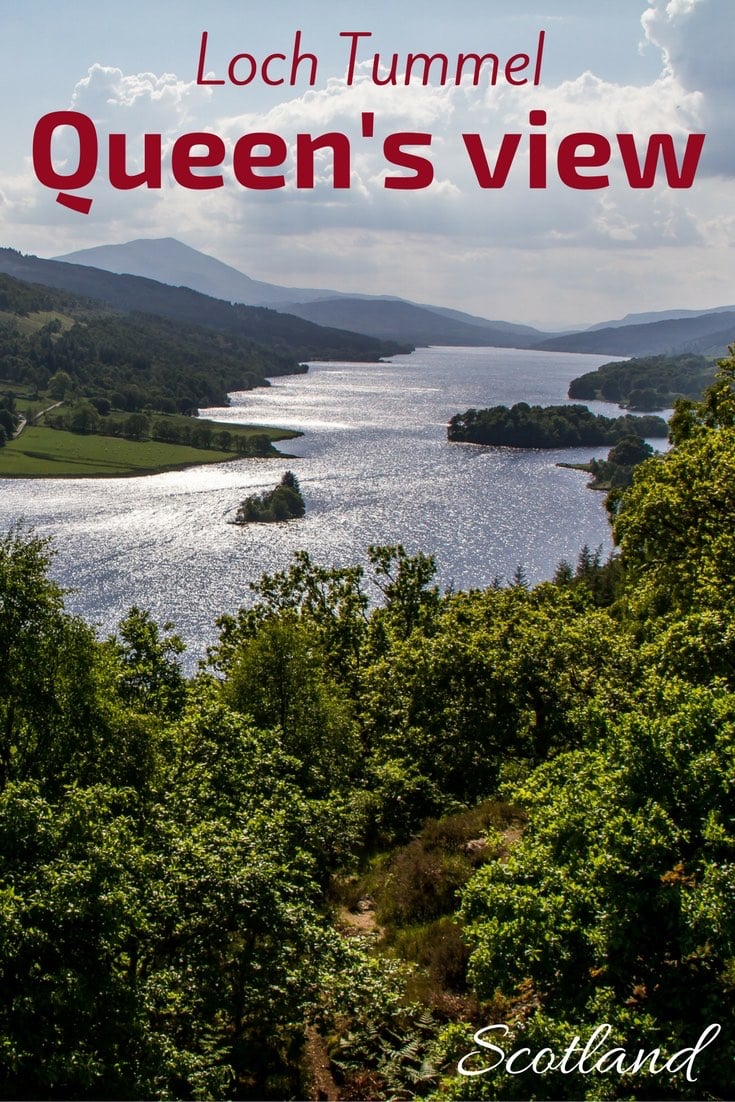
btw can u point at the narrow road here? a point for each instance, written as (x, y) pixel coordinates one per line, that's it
(23, 422)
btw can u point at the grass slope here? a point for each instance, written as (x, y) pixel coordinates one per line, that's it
(47, 453)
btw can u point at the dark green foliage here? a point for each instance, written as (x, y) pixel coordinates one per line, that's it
(133, 360)
(37, 650)
(150, 676)
(7, 422)
(137, 359)
(614, 905)
(286, 502)
(602, 580)
(646, 383)
(282, 336)
(170, 849)
(278, 677)
(161, 927)
(524, 426)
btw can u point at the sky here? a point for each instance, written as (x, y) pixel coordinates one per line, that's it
(553, 256)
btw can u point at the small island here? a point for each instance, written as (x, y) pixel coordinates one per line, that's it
(285, 502)
(569, 426)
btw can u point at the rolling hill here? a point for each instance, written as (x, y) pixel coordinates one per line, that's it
(383, 317)
(290, 336)
(705, 334)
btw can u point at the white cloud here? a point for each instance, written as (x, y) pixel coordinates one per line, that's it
(145, 101)
(695, 38)
(439, 243)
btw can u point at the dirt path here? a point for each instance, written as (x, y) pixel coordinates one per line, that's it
(316, 1062)
(361, 921)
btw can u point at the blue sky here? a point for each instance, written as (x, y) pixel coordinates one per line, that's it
(551, 257)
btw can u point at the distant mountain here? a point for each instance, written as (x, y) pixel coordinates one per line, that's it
(293, 337)
(485, 323)
(657, 315)
(394, 319)
(383, 317)
(387, 318)
(170, 261)
(706, 334)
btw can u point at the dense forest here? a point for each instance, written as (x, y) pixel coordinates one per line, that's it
(380, 818)
(524, 426)
(283, 334)
(647, 382)
(52, 340)
(173, 361)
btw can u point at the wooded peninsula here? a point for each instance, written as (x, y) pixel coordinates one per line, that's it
(646, 382)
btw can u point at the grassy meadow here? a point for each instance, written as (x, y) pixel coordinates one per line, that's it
(41, 452)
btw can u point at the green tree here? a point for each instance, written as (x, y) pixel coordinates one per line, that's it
(136, 426)
(84, 418)
(59, 384)
(7, 423)
(615, 901)
(675, 526)
(280, 678)
(283, 503)
(33, 634)
(332, 600)
(150, 675)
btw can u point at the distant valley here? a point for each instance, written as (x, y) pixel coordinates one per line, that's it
(391, 319)
(382, 317)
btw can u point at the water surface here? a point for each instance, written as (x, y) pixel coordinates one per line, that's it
(374, 466)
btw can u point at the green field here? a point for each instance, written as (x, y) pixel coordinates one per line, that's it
(48, 453)
(31, 323)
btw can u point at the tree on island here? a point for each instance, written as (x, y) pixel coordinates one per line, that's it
(284, 503)
(565, 426)
(616, 472)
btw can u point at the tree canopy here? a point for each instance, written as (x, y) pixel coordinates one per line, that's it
(529, 789)
(572, 426)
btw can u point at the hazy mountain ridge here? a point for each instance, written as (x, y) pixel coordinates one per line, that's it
(288, 334)
(395, 319)
(388, 318)
(656, 316)
(708, 334)
(384, 317)
(170, 261)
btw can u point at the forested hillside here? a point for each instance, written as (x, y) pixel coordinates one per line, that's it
(282, 333)
(134, 360)
(382, 818)
(648, 382)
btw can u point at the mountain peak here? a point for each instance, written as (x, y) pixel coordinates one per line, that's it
(169, 260)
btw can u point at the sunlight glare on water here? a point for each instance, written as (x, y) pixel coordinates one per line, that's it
(374, 466)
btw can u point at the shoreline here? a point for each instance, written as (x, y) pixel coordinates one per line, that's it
(97, 471)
